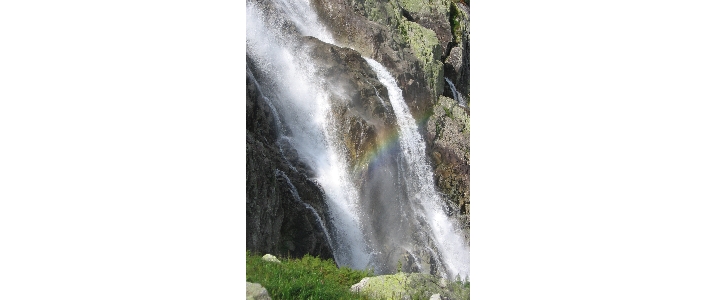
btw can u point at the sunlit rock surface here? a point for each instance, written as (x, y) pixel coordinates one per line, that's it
(409, 286)
(449, 142)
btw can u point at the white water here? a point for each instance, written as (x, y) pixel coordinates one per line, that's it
(457, 95)
(304, 17)
(304, 109)
(302, 103)
(454, 250)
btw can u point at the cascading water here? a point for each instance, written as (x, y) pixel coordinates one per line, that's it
(420, 183)
(391, 212)
(455, 93)
(303, 109)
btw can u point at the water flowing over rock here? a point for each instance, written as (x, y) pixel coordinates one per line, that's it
(275, 223)
(340, 161)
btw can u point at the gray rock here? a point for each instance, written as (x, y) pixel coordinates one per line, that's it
(449, 147)
(456, 64)
(408, 286)
(373, 28)
(270, 258)
(256, 291)
(358, 287)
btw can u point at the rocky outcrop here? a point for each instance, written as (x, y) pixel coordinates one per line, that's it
(449, 131)
(362, 113)
(417, 37)
(456, 63)
(277, 188)
(409, 286)
(373, 29)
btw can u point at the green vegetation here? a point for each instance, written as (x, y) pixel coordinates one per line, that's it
(458, 21)
(314, 278)
(305, 278)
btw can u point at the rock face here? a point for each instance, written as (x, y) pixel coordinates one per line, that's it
(420, 42)
(449, 131)
(360, 102)
(377, 29)
(456, 63)
(409, 286)
(277, 222)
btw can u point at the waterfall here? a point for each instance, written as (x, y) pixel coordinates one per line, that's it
(453, 248)
(410, 222)
(304, 109)
(457, 95)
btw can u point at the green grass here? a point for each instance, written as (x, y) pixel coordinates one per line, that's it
(305, 278)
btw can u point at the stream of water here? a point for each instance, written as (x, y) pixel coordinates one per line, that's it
(455, 93)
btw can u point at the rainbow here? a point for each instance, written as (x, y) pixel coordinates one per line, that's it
(385, 142)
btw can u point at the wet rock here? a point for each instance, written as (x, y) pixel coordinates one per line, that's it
(373, 29)
(404, 34)
(360, 103)
(276, 223)
(411, 41)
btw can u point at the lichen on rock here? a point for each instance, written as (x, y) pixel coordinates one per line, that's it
(409, 286)
(425, 44)
(449, 143)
